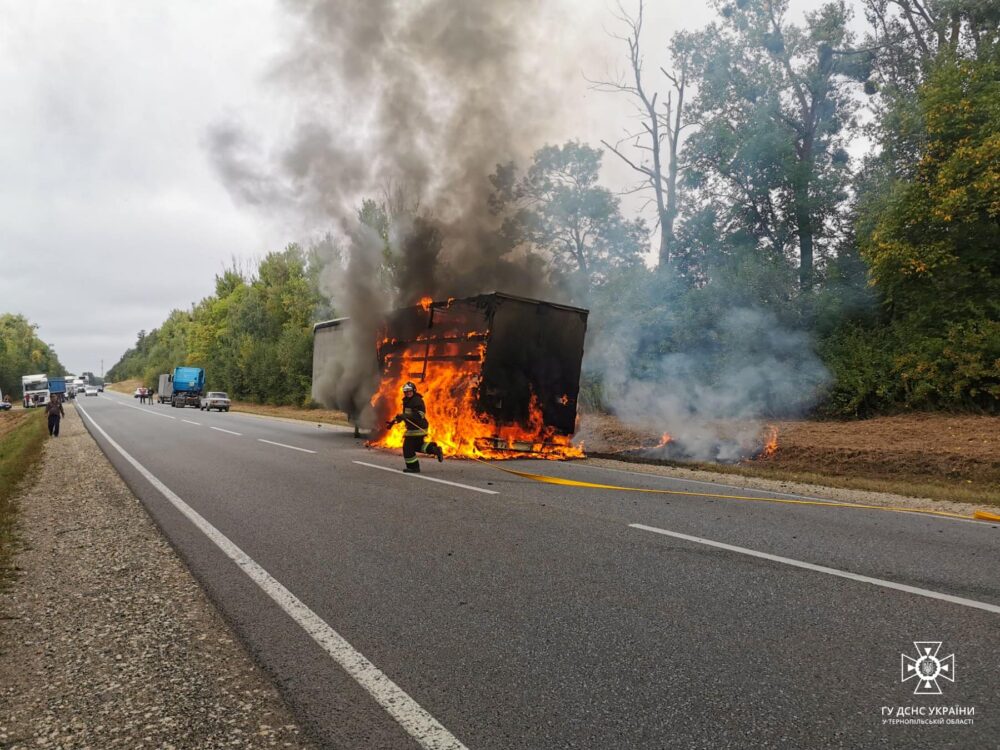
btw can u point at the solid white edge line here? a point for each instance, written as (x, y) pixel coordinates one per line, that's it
(230, 432)
(429, 479)
(190, 422)
(420, 725)
(271, 442)
(823, 569)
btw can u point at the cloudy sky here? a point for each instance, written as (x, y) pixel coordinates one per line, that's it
(111, 214)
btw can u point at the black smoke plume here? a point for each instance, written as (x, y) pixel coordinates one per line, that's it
(426, 98)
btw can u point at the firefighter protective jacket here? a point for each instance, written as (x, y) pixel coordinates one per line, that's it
(414, 416)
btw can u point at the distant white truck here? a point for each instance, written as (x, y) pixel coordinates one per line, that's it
(35, 390)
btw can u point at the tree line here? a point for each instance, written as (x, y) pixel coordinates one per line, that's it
(253, 336)
(889, 260)
(23, 353)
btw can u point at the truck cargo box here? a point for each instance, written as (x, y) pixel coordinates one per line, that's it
(165, 388)
(512, 361)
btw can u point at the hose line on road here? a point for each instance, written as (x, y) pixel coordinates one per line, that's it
(545, 479)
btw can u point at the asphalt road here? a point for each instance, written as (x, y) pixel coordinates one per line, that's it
(396, 611)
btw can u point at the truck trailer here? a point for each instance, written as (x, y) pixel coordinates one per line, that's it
(500, 372)
(57, 387)
(188, 386)
(165, 388)
(329, 361)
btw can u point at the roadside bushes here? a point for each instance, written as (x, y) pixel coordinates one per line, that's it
(883, 367)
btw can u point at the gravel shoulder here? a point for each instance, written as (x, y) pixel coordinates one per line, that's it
(106, 640)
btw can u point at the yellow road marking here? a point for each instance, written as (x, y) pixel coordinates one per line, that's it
(978, 515)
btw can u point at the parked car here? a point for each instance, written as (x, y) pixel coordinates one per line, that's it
(90, 390)
(138, 392)
(4, 405)
(215, 400)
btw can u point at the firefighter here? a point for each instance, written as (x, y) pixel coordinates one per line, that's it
(415, 438)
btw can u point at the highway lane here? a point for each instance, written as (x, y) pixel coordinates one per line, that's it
(538, 617)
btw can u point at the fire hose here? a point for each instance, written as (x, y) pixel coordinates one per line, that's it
(979, 515)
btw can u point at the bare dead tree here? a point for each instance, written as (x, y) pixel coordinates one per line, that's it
(658, 142)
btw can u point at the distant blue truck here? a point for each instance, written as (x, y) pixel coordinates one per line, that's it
(189, 386)
(57, 387)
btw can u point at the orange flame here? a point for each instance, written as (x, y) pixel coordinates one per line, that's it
(771, 443)
(447, 372)
(664, 440)
(426, 302)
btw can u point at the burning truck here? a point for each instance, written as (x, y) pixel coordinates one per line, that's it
(500, 373)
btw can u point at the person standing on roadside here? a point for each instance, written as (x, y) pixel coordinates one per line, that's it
(54, 410)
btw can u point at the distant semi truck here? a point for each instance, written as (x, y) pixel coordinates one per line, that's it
(35, 390)
(188, 386)
(165, 388)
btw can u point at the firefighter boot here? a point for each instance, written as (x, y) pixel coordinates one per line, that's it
(439, 453)
(413, 468)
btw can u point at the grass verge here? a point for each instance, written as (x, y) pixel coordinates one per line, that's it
(125, 386)
(327, 416)
(20, 451)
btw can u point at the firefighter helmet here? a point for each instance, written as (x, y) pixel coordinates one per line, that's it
(408, 387)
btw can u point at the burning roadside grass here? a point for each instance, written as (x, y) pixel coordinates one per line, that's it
(733, 442)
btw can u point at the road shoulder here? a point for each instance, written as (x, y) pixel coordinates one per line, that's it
(107, 640)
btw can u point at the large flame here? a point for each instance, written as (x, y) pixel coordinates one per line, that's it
(447, 371)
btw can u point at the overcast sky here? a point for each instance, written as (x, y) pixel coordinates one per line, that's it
(110, 212)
